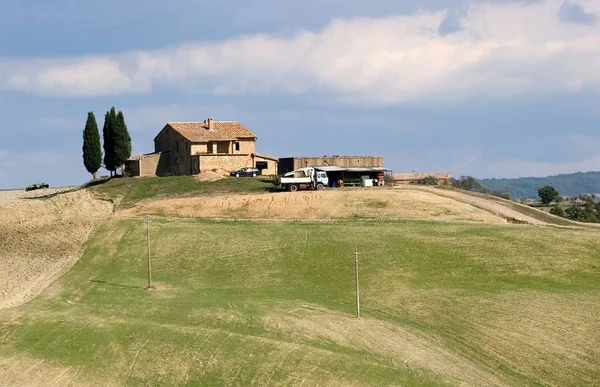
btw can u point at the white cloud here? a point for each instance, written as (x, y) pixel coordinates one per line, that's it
(502, 50)
(86, 76)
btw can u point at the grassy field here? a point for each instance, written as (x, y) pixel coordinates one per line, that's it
(251, 303)
(133, 190)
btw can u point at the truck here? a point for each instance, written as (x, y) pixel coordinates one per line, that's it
(303, 178)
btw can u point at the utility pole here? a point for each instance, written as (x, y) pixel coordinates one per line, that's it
(148, 220)
(356, 275)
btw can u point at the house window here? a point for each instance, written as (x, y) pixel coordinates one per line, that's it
(176, 146)
(237, 145)
(223, 147)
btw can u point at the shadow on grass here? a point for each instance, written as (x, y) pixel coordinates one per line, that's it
(96, 182)
(119, 285)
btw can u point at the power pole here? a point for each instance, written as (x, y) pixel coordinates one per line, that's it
(356, 275)
(148, 220)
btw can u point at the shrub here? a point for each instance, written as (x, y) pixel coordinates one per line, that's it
(427, 180)
(558, 211)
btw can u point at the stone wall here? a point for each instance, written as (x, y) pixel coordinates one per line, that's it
(156, 164)
(246, 147)
(180, 150)
(227, 162)
(199, 148)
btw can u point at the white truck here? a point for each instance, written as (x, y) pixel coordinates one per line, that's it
(303, 178)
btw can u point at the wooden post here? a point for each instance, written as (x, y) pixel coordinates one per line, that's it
(357, 289)
(148, 220)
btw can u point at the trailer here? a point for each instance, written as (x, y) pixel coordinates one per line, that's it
(303, 178)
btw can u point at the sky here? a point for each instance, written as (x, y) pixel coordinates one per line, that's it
(483, 88)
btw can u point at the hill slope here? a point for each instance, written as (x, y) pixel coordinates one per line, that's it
(471, 300)
(571, 184)
(254, 303)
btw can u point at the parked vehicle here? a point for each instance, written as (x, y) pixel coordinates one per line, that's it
(245, 172)
(303, 178)
(35, 186)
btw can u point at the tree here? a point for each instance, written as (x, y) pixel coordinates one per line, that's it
(469, 183)
(108, 134)
(548, 194)
(92, 151)
(121, 141)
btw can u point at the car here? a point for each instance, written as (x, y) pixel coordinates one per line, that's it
(245, 172)
(35, 186)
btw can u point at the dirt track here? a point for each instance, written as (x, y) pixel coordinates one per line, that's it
(42, 238)
(481, 203)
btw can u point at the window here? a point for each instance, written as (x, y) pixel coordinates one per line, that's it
(237, 145)
(223, 146)
(176, 146)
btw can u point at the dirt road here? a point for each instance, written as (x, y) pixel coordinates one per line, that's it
(481, 203)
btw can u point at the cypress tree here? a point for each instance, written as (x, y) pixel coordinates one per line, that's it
(92, 151)
(108, 133)
(122, 142)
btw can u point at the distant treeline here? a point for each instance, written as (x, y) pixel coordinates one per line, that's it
(572, 184)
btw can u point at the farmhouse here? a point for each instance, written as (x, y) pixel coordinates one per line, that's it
(189, 148)
(408, 178)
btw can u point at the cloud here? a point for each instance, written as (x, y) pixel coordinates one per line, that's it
(87, 76)
(500, 50)
(571, 12)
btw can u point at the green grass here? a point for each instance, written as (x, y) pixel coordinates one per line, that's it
(243, 303)
(133, 190)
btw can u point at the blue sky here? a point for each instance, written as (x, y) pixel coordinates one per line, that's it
(489, 89)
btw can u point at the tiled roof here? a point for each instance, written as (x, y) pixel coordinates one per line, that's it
(263, 156)
(222, 131)
(418, 176)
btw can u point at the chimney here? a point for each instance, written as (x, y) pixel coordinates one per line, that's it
(211, 125)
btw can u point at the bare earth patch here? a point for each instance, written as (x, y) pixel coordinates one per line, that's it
(42, 239)
(315, 205)
(401, 345)
(480, 203)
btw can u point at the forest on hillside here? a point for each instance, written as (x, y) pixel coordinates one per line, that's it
(572, 184)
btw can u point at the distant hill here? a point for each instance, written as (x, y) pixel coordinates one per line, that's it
(571, 184)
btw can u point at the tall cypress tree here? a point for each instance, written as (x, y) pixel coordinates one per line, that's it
(92, 151)
(108, 133)
(122, 142)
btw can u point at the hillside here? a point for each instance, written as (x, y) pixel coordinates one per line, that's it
(264, 297)
(571, 184)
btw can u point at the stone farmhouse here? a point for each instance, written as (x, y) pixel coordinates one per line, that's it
(190, 148)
